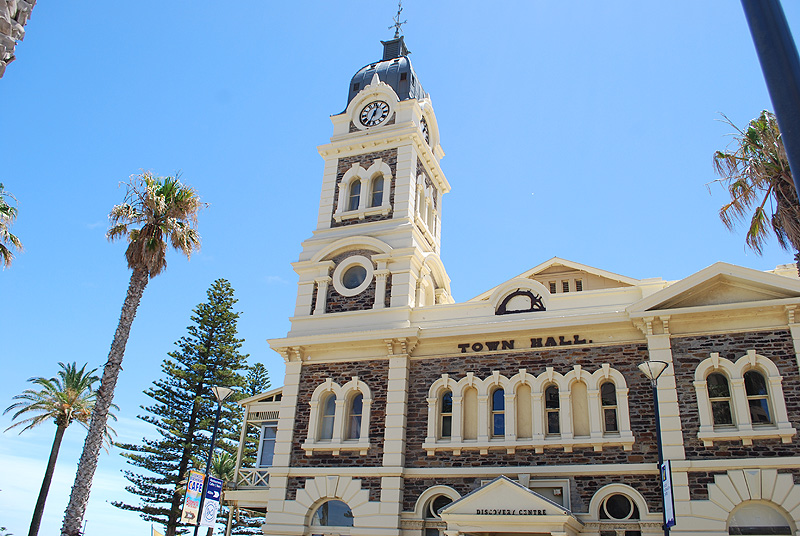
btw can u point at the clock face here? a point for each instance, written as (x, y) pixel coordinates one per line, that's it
(374, 113)
(424, 126)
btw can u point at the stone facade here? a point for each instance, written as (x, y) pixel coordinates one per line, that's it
(14, 15)
(777, 346)
(374, 374)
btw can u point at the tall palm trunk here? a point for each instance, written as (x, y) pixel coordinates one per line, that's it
(79, 497)
(48, 477)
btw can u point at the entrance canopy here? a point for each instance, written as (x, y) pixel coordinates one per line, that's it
(503, 505)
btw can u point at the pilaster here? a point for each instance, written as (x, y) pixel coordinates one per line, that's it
(660, 349)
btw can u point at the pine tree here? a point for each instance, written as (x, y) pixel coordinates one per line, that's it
(257, 381)
(184, 408)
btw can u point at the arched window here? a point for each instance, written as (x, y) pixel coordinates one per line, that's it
(355, 195)
(498, 413)
(757, 397)
(446, 416)
(552, 404)
(377, 191)
(332, 514)
(434, 526)
(757, 518)
(328, 415)
(719, 394)
(354, 417)
(608, 400)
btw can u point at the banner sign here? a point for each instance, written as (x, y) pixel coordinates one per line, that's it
(191, 503)
(211, 502)
(669, 500)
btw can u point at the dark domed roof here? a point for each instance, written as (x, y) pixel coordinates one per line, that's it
(394, 69)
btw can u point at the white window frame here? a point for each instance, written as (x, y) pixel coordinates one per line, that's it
(344, 395)
(598, 438)
(379, 168)
(743, 429)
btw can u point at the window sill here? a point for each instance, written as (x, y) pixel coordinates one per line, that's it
(624, 439)
(362, 213)
(708, 435)
(360, 445)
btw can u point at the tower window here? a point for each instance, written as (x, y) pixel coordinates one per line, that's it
(355, 195)
(565, 286)
(356, 86)
(377, 191)
(403, 76)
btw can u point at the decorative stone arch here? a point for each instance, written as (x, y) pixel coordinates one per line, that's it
(348, 243)
(343, 395)
(439, 276)
(511, 294)
(738, 486)
(429, 494)
(320, 489)
(612, 489)
(743, 427)
(430, 119)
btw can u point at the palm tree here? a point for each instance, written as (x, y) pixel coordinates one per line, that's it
(65, 399)
(162, 211)
(758, 179)
(7, 216)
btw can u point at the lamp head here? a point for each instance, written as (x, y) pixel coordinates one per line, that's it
(221, 393)
(653, 369)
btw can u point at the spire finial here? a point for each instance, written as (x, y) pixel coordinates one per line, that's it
(397, 24)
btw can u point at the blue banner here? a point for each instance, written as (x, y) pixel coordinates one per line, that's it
(211, 502)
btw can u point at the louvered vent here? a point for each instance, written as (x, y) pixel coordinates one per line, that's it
(263, 416)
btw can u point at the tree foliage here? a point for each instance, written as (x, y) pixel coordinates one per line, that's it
(184, 407)
(7, 240)
(756, 174)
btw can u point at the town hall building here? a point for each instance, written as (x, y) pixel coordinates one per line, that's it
(523, 410)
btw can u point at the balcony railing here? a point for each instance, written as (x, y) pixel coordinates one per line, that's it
(250, 478)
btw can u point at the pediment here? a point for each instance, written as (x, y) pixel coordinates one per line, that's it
(503, 497)
(558, 270)
(720, 284)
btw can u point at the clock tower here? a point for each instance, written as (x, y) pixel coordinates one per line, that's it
(378, 236)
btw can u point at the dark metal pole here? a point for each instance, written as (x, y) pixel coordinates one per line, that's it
(660, 456)
(208, 466)
(777, 54)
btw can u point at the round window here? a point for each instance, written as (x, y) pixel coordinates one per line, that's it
(619, 506)
(354, 276)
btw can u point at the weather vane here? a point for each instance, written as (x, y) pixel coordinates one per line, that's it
(397, 24)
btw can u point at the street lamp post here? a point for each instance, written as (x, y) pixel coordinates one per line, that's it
(653, 370)
(220, 393)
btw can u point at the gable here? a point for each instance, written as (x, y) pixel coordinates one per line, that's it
(721, 284)
(558, 272)
(504, 497)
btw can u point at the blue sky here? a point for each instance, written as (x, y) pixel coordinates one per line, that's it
(576, 129)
